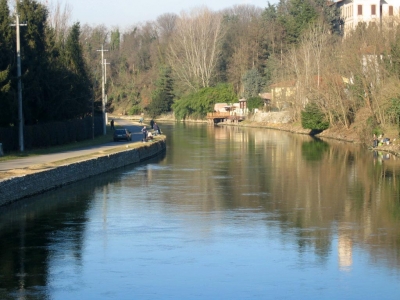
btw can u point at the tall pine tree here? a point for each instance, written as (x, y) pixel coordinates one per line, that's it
(34, 61)
(7, 104)
(79, 91)
(163, 97)
(300, 13)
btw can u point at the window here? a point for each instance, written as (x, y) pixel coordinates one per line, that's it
(359, 10)
(390, 10)
(373, 9)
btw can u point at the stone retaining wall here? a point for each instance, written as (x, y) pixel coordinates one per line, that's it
(281, 117)
(24, 186)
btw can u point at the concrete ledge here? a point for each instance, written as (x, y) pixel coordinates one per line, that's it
(16, 188)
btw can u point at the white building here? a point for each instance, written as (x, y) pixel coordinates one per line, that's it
(379, 12)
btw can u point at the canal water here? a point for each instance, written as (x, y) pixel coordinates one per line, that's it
(225, 213)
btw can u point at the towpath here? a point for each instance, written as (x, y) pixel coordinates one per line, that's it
(21, 163)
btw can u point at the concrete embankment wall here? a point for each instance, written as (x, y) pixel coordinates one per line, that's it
(24, 186)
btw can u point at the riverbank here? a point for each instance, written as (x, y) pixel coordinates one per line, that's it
(18, 184)
(349, 135)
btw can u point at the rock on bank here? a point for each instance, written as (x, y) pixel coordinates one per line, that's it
(16, 188)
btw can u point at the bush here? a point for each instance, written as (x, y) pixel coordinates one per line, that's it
(312, 118)
(254, 102)
(198, 104)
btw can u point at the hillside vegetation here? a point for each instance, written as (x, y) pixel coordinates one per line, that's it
(185, 63)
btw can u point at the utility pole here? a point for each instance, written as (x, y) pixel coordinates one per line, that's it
(105, 81)
(103, 90)
(94, 96)
(20, 113)
(105, 70)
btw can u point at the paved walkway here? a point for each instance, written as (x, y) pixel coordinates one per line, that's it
(21, 163)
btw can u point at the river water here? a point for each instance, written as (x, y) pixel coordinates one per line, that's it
(225, 213)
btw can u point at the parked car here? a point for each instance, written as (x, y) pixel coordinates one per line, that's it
(122, 134)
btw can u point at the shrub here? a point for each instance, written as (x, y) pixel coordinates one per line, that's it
(312, 118)
(198, 104)
(254, 102)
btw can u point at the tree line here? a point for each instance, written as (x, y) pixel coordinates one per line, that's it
(152, 65)
(56, 83)
(183, 62)
(156, 66)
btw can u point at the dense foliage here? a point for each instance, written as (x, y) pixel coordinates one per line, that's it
(244, 46)
(150, 65)
(162, 97)
(253, 83)
(312, 118)
(254, 102)
(56, 82)
(185, 63)
(198, 104)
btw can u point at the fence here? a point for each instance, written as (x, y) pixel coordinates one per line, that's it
(52, 134)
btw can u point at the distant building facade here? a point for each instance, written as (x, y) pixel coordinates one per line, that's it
(282, 94)
(378, 12)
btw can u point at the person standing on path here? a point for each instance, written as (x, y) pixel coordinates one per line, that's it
(112, 124)
(151, 123)
(144, 131)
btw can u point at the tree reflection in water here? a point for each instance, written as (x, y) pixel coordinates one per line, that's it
(248, 209)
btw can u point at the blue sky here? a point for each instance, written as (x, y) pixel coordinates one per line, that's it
(124, 13)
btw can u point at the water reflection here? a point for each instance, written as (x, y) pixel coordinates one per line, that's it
(314, 150)
(50, 225)
(315, 185)
(250, 212)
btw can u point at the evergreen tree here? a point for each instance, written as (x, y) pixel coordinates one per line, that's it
(7, 103)
(275, 34)
(330, 14)
(252, 83)
(79, 96)
(34, 61)
(312, 118)
(300, 13)
(115, 40)
(162, 97)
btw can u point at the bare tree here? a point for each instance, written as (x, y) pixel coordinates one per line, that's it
(196, 46)
(243, 42)
(318, 36)
(244, 12)
(59, 18)
(165, 25)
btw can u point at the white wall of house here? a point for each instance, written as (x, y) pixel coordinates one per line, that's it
(380, 12)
